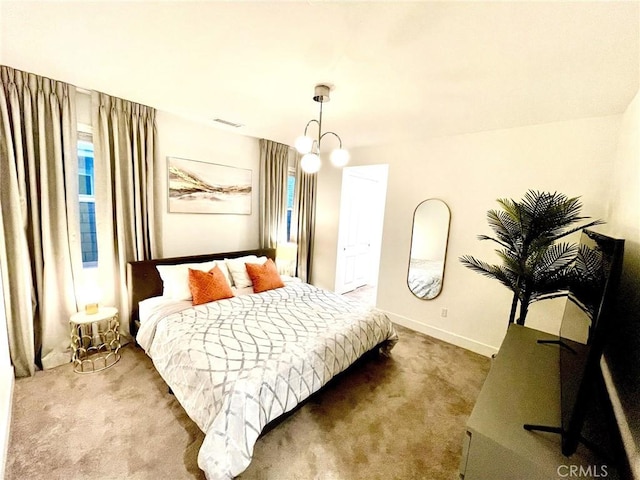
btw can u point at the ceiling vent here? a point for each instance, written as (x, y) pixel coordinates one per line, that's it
(228, 123)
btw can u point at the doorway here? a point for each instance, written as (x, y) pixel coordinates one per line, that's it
(364, 191)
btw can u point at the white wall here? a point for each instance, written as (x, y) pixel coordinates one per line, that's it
(623, 355)
(192, 234)
(469, 172)
(325, 248)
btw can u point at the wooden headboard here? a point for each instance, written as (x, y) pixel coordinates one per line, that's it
(143, 279)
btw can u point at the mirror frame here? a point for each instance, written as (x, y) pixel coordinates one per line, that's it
(446, 245)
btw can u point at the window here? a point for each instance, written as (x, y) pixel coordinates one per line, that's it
(87, 200)
(291, 187)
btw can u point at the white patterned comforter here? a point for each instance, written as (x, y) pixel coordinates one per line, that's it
(239, 363)
(425, 277)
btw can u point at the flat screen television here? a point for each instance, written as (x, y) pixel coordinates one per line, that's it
(586, 324)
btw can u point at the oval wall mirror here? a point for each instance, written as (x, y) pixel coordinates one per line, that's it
(428, 248)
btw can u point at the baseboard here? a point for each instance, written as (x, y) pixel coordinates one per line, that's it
(458, 340)
(6, 397)
(630, 447)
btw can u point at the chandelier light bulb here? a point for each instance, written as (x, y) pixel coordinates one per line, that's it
(310, 148)
(304, 144)
(340, 157)
(310, 163)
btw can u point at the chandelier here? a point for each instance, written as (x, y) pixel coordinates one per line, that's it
(310, 147)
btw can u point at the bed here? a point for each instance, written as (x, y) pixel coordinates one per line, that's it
(239, 363)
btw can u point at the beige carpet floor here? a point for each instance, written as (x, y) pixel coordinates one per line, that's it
(401, 417)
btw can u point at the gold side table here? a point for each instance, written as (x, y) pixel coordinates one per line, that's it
(95, 340)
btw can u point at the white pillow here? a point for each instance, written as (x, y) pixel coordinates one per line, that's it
(175, 278)
(289, 279)
(239, 272)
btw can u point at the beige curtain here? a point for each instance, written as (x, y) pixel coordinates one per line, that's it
(274, 164)
(40, 255)
(124, 151)
(304, 220)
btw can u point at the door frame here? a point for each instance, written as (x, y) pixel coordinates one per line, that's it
(379, 174)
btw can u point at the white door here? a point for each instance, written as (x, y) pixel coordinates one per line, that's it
(361, 213)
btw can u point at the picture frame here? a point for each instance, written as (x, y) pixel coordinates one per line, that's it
(201, 187)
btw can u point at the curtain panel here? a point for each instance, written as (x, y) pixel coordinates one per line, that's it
(304, 219)
(274, 166)
(124, 149)
(40, 257)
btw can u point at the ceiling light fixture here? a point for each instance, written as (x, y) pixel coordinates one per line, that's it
(310, 147)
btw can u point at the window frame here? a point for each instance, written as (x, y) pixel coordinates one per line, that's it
(85, 133)
(291, 173)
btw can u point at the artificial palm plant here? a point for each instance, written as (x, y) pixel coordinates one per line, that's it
(534, 266)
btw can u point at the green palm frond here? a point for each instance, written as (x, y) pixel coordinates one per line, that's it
(505, 227)
(557, 258)
(534, 266)
(589, 263)
(549, 213)
(496, 272)
(552, 293)
(511, 262)
(569, 231)
(554, 272)
(588, 279)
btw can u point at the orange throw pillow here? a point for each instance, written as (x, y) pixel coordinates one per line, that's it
(208, 286)
(264, 277)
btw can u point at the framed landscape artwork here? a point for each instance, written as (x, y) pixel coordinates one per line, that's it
(201, 187)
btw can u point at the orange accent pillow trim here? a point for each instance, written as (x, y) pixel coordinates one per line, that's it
(264, 277)
(208, 286)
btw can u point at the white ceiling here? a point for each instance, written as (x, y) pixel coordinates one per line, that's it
(401, 70)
